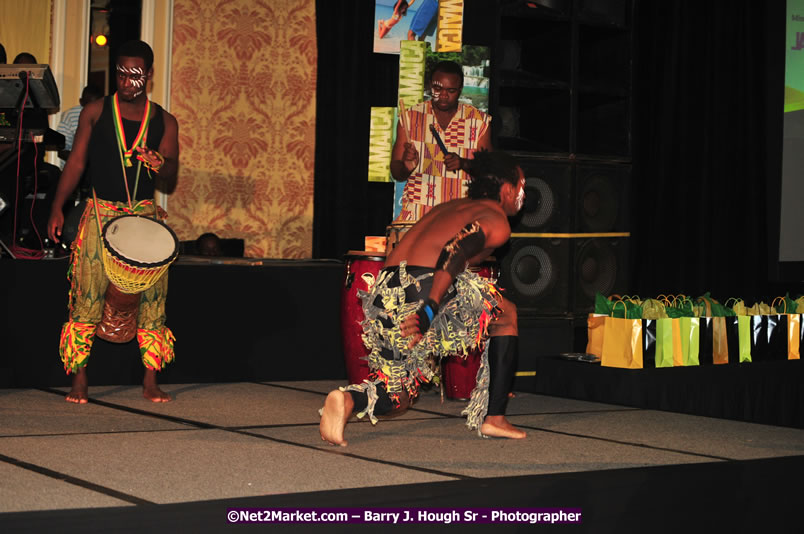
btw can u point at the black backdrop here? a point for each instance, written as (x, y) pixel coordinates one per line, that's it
(699, 213)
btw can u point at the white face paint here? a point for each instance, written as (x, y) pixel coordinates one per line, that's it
(520, 199)
(435, 88)
(135, 75)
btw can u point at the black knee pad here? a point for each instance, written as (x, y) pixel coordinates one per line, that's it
(502, 368)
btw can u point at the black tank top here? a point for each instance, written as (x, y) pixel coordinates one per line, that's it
(104, 167)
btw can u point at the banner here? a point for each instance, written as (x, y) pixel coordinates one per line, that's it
(449, 37)
(380, 144)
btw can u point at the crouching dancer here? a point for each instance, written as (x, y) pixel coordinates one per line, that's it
(426, 302)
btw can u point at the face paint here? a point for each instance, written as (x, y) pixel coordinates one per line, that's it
(135, 75)
(436, 90)
(520, 197)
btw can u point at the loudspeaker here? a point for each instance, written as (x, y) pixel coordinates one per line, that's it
(603, 197)
(560, 276)
(548, 191)
(565, 196)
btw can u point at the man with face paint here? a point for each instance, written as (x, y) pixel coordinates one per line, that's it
(431, 176)
(125, 142)
(427, 302)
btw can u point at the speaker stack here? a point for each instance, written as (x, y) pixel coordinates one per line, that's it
(570, 241)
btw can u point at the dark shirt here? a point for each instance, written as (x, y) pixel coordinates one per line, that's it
(104, 167)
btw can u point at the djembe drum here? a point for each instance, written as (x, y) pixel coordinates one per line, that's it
(137, 251)
(394, 233)
(358, 264)
(459, 373)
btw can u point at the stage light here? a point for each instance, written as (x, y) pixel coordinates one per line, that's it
(101, 40)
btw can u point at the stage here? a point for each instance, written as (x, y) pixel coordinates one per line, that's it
(259, 346)
(125, 464)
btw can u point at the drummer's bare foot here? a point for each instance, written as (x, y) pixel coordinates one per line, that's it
(337, 409)
(79, 394)
(497, 426)
(150, 390)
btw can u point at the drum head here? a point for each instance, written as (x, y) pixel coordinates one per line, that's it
(140, 241)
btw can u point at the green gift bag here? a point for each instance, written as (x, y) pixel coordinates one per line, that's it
(668, 343)
(677, 336)
(690, 339)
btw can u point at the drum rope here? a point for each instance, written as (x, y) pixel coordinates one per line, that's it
(140, 140)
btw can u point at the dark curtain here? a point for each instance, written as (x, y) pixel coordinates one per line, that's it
(700, 191)
(700, 151)
(351, 79)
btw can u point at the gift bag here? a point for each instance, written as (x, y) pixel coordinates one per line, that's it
(783, 340)
(649, 343)
(595, 324)
(741, 343)
(794, 336)
(713, 339)
(673, 334)
(690, 340)
(668, 343)
(622, 343)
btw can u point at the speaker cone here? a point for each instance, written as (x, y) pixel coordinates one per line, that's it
(596, 265)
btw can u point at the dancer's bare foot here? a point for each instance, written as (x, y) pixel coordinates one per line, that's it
(497, 426)
(337, 409)
(150, 390)
(79, 394)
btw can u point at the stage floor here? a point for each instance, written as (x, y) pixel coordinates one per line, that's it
(256, 444)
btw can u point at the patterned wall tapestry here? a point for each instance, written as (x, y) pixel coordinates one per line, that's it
(243, 92)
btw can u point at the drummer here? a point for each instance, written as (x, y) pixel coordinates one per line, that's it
(126, 143)
(433, 174)
(426, 301)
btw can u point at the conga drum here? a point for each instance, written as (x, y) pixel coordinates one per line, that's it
(137, 251)
(394, 233)
(460, 374)
(358, 263)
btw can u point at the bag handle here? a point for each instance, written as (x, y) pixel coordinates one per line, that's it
(707, 305)
(614, 306)
(736, 301)
(773, 304)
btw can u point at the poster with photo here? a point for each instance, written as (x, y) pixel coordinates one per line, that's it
(397, 20)
(476, 64)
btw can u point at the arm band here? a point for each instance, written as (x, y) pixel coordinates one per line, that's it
(426, 312)
(461, 248)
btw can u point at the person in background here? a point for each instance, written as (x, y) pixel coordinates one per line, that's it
(209, 244)
(69, 120)
(25, 58)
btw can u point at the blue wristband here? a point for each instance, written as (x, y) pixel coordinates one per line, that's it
(429, 311)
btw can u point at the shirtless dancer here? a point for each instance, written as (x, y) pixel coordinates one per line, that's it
(424, 295)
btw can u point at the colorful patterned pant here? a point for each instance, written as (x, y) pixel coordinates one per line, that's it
(88, 286)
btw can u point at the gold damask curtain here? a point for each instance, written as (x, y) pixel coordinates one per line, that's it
(25, 27)
(243, 92)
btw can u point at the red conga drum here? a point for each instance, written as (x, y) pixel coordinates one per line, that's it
(460, 374)
(358, 263)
